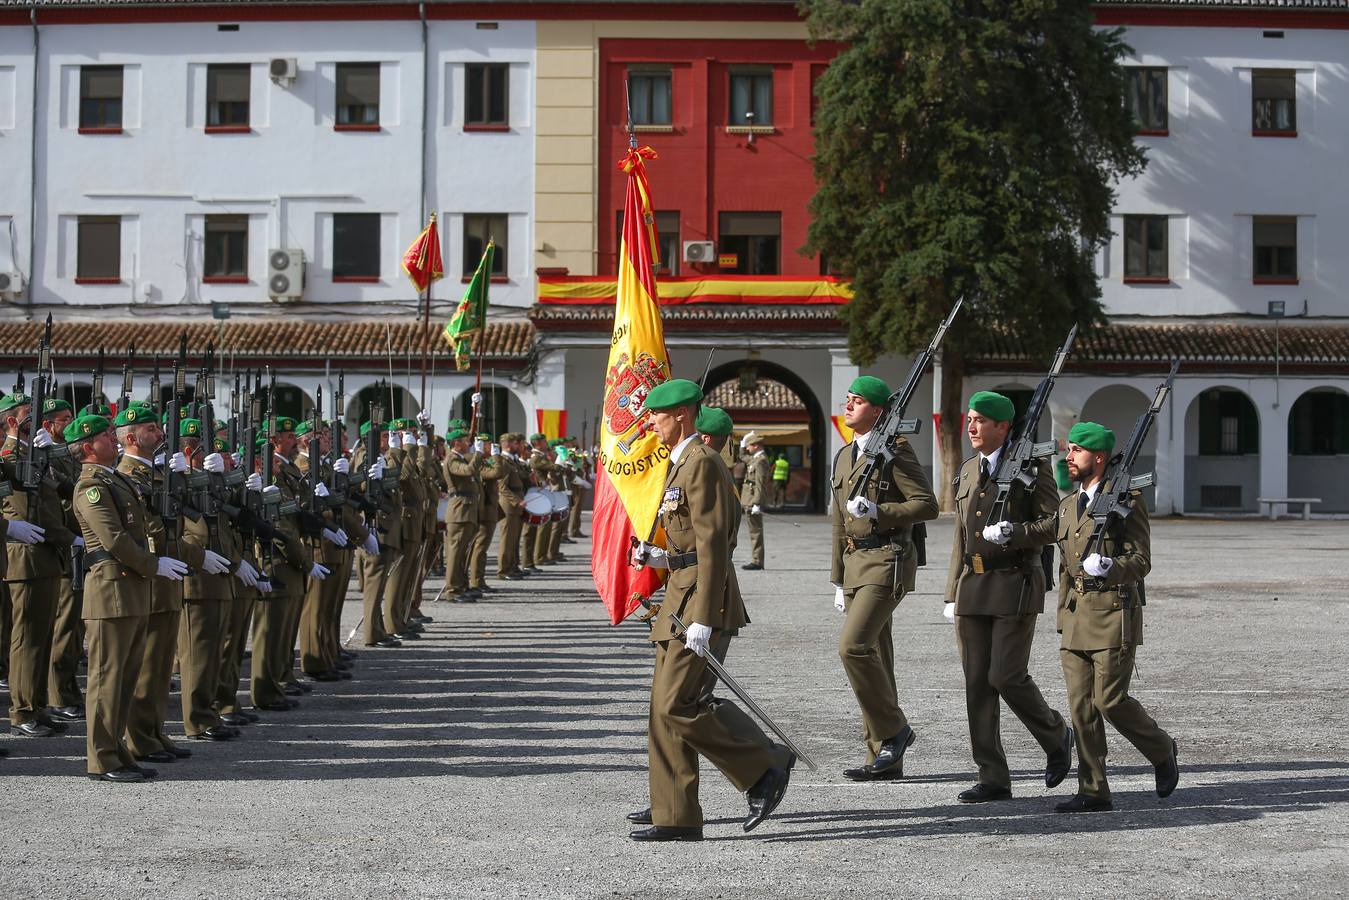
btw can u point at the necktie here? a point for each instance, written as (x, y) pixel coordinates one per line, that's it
(983, 472)
(1082, 501)
(854, 453)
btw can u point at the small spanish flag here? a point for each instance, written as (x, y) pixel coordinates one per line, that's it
(552, 422)
(422, 261)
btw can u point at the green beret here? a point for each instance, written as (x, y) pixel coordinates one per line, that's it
(14, 400)
(456, 423)
(220, 445)
(221, 425)
(993, 406)
(189, 428)
(134, 414)
(103, 410)
(675, 392)
(85, 427)
(307, 426)
(554, 442)
(456, 434)
(1091, 436)
(871, 389)
(56, 405)
(538, 436)
(283, 424)
(484, 436)
(714, 421)
(365, 428)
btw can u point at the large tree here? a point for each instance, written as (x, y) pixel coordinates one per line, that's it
(967, 148)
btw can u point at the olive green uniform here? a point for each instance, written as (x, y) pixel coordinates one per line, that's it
(276, 619)
(758, 476)
(114, 519)
(511, 487)
(201, 630)
(999, 592)
(489, 478)
(375, 570)
(541, 468)
(406, 580)
(1101, 621)
(63, 687)
(699, 517)
(461, 515)
(874, 561)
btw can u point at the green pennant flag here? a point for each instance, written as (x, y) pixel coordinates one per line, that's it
(470, 317)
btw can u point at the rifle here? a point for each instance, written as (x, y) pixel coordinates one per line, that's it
(209, 491)
(96, 393)
(128, 374)
(312, 515)
(174, 489)
(256, 522)
(1114, 500)
(32, 469)
(880, 445)
(154, 389)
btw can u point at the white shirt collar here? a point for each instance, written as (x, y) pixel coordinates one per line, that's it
(1091, 491)
(138, 459)
(679, 448)
(992, 459)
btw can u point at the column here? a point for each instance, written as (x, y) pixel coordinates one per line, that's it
(550, 387)
(1273, 441)
(842, 372)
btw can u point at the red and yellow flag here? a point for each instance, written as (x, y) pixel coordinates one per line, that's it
(552, 422)
(422, 261)
(630, 477)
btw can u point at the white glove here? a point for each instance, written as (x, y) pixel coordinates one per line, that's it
(423, 418)
(343, 535)
(496, 449)
(264, 585)
(320, 490)
(253, 482)
(696, 638)
(43, 438)
(214, 462)
(477, 398)
(862, 508)
(655, 557)
(423, 441)
(949, 613)
(79, 541)
(214, 564)
(319, 572)
(178, 463)
(410, 439)
(756, 510)
(238, 458)
(334, 537)
(21, 532)
(744, 442)
(247, 574)
(159, 459)
(342, 466)
(371, 544)
(840, 603)
(1097, 565)
(477, 446)
(998, 533)
(396, 440)
(170, 568)
(377, 469)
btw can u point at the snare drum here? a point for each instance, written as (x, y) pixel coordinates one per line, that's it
(559, 502)
(538, 507)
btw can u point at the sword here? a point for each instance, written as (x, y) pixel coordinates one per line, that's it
(734, 687)
(359, 622)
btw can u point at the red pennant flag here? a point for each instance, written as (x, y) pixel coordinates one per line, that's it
(422, 261)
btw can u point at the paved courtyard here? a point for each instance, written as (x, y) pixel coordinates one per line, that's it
(498, 757)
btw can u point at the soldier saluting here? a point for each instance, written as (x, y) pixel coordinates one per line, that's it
(996, 591)
(1098, 595)
(874, 564)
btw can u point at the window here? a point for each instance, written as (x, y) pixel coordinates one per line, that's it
(752, 98)
(100, 98)
(358, 96)
(227, 97)
(1275, 249)
(99, 250)
(1147, 99)
(1319, 424)
(1228, 424)
(667, 236)
(487, 96)
(226, 249)
(1145, 248)
(356, 247)
(649, 97)
(754, 239)
(1273, 103)
(478, 228)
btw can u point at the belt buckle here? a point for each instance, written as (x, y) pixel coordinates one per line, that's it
(977, 563)
(1079, 584)
(852, 545)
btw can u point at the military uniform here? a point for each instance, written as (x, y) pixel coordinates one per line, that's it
(874, 562)
(207, 601)
(375, 570)
(999, 593)
(33, 576)
(406, 580)
(1101, 623)
(433, 484)
(758, 475)
(511, 487)
(541, 468)
(63, 689)
(699, 518)
(276, 619)
(114, 519)
(489, 478)
(461, 516)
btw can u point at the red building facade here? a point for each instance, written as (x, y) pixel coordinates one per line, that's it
(731, 122)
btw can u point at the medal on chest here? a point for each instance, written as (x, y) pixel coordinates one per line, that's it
(671, 500)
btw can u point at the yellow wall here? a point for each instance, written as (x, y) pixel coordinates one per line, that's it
(565, 187)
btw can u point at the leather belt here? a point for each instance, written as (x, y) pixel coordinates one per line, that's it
(682, 560)
(469, 494)
(93, 558)
(1085, 583)
(979, 563)
(870, 543)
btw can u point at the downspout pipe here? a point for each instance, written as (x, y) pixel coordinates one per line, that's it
(32, 172)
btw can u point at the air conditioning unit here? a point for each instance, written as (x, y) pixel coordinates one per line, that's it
(700, 252)
(283, 70)
(11, 284)
(285, 274)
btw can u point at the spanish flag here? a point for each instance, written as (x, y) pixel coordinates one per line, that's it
(552, 422)
(630, 477)
(422, 261)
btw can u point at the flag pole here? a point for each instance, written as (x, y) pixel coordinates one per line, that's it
(426, 328)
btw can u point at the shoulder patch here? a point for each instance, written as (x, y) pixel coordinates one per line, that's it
(93, 495)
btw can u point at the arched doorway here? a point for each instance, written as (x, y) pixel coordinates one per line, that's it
(771, 399)
(1224, 476)
(1318, 446)
(1117, 407)
(495, 412)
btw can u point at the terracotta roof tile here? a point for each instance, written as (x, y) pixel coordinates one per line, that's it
(772, 395)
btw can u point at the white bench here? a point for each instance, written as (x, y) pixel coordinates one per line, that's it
(1273, 502)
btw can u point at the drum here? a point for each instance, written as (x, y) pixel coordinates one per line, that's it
(558, 499)
(538, 507)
